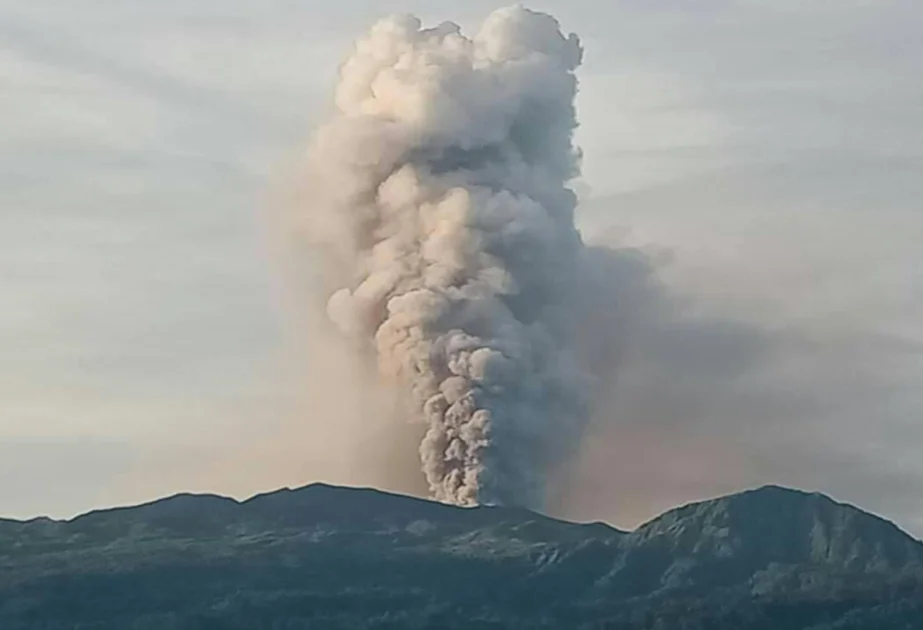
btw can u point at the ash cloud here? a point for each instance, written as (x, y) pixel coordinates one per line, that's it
(439, 188)
(538, 370)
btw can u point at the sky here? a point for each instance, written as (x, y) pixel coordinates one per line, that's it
(761, 160)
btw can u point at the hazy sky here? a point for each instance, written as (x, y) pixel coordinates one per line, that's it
(765, 156)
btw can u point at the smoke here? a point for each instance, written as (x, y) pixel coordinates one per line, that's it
(439, 188)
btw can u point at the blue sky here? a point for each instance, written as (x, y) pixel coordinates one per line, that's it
(765, 155)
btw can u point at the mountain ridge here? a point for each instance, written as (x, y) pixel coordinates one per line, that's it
(335, 557)
(368, 489)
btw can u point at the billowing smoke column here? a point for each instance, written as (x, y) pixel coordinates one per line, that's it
(441, 183)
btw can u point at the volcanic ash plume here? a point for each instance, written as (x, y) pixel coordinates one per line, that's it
(440, 186)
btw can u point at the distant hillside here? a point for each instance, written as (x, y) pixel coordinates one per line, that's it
(330, 557)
